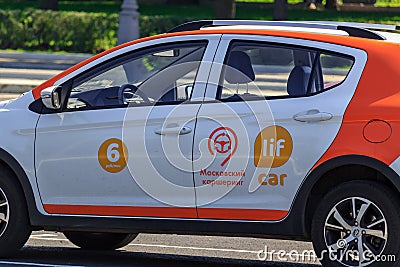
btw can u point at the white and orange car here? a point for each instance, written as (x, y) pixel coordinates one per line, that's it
(287, 130)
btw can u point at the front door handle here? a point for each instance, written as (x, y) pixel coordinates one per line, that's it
(174, 130)
(312, 115)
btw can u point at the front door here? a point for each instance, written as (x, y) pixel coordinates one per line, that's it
(104, 154)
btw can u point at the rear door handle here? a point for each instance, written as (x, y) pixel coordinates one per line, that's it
(312, 115)
(174, 130)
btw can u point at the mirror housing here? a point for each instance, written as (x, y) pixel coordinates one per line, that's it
(51, 97)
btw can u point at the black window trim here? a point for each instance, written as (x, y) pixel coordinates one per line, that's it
(314, 71)
(235, 42)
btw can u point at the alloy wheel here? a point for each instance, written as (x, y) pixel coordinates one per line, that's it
(355, 232)
(4, 212)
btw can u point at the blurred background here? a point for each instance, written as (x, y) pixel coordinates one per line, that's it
(91, 26)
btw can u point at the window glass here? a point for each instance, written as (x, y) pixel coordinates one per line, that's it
(158, 75)
(334, 69)
(259, 70)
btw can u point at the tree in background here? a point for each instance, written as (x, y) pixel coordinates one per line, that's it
(49, 4)
(280, 10)
(183, 2)
(331, 4)
(224, 9)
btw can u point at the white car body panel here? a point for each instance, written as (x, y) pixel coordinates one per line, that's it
(18, 136)
(67, 144)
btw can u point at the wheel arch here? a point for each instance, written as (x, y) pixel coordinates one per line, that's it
(10, 162)
(329, 174)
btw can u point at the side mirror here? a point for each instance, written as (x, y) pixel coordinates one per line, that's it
(51, 97)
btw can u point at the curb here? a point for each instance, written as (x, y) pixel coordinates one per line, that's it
(15, 89)
(33, 60)
(26, 70)
(45, 57)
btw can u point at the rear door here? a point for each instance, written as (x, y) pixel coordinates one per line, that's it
(274, 107)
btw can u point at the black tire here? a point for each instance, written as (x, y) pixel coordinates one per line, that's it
(14, 221)
(376, 225)
(99, 241)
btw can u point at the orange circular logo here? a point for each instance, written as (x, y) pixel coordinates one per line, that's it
(113, 155)
(273, 147)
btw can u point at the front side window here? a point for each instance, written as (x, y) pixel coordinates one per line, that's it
(158, 75)
(256, 70)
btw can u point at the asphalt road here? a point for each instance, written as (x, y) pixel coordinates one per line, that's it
(53, 249)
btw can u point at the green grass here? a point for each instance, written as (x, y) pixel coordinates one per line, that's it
(206, 12)
(371, 17)
(266, 13)
(111, 7)
(381, 3)
(176, 10)
(266, 1)
(388, 3)
(84, 6)
(34, 50)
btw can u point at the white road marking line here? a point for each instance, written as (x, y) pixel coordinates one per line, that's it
(162, 246)
(44, 235)
(49, 238)
(287, 256)
(196, 248)
(38, 264)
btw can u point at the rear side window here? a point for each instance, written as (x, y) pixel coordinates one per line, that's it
(257, 70)
(334, 69)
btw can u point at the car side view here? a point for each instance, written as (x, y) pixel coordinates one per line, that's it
(268, 129)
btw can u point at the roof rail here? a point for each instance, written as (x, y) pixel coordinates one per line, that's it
(369, 26)
(353, 29)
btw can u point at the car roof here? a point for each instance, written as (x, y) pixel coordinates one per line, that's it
(278, 28)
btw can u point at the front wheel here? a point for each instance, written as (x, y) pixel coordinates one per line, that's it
(99, 241)
(357, 224)
(14, 222)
